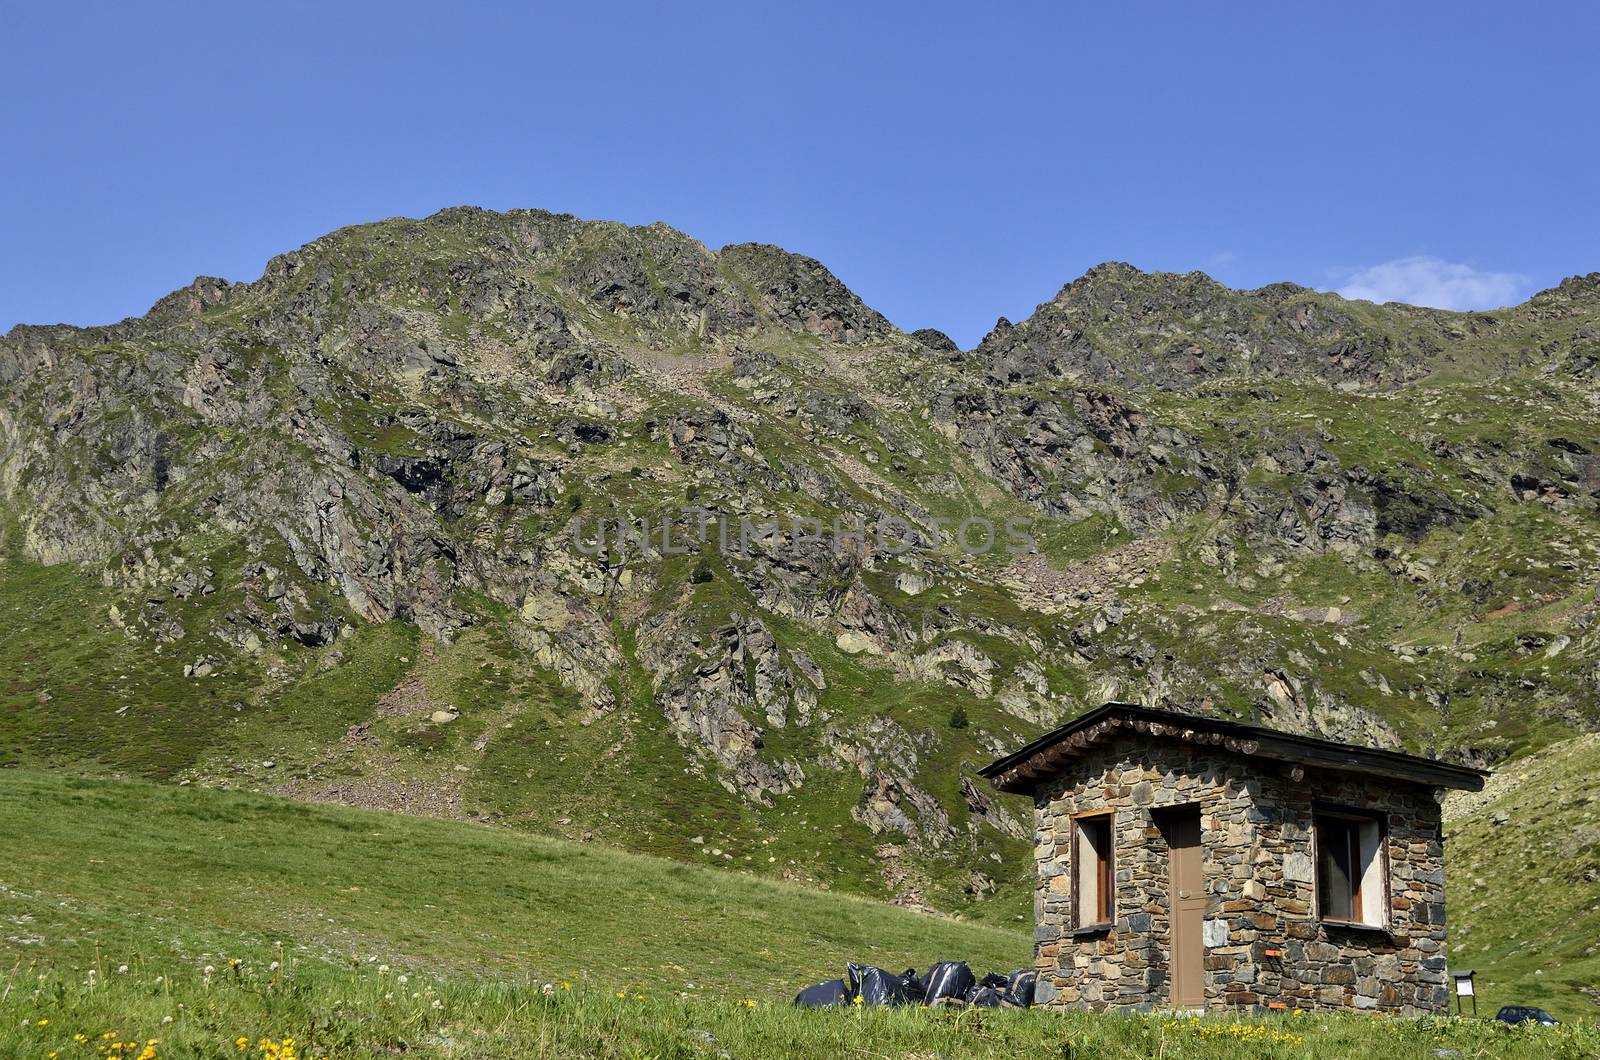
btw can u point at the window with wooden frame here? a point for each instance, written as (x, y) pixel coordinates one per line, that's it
(1352, 871)
(1094, 891)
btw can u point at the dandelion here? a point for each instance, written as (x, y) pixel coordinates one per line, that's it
(856, 1000)
(274, 966)
(208, 970)
(548, 990)
(437, 1004)
(166, 1019)
(42, 1023)
(383, 969)
(622, 995)
(565, 985)
(122, 969)
(402, 979)
(747, 1002)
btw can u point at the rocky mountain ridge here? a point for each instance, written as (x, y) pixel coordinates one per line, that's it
(335, 520)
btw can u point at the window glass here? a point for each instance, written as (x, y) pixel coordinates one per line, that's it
(1350, 869)
(1336, 875)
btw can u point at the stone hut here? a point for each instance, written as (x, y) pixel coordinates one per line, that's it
(1190, 862)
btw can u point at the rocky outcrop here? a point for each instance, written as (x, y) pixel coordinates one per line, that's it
(887, 757)
(1119, 324)
(1074, 453)
(715, 690)
(803, 295)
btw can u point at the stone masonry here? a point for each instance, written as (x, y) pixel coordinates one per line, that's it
(1265, 946)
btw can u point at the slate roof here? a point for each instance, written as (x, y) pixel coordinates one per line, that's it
(1021, 770)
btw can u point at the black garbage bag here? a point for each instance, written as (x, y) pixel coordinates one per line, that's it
(1023, 980)
(985, 997)
(1021, 986)
(996, 980)
(945, 981)
(877, 986)
(823, 995)
(911, 983)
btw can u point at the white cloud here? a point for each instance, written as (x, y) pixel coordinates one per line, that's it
(1431, 282)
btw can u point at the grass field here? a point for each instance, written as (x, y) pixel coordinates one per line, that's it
(1525, 893)
(199, 875)
(367, 1013)
(194, 918)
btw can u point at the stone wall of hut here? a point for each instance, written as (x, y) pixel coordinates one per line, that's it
(1266, 948)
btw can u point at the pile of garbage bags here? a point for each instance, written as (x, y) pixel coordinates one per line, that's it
(948, 983)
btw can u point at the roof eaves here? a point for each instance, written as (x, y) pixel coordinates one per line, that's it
(1021, 769)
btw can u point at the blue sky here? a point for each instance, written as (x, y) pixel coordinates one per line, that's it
(951, 163)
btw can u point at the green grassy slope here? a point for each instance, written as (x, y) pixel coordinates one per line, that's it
(92, 700)
(1525, 894)
(133, 868)
(361, 934)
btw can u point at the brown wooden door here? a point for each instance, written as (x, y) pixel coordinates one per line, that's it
(1188, 907)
